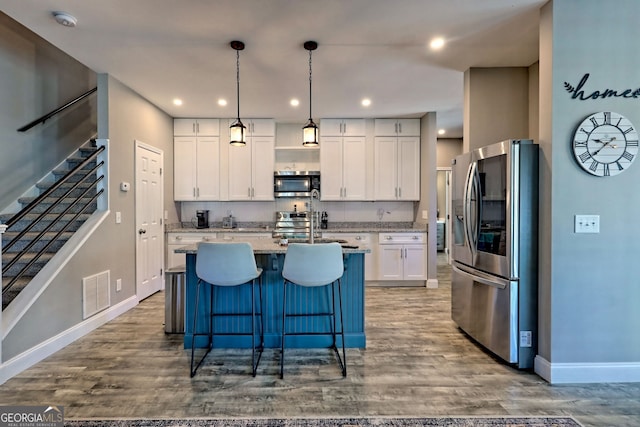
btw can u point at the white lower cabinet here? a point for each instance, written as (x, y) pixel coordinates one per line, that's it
(363, 240)
(402, 256)
(179, 240)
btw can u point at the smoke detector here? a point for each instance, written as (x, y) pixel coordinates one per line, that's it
(65, 19)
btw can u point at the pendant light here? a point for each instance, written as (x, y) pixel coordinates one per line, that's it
(310, 130)
(237, 129)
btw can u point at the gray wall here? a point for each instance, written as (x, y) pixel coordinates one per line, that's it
(112, 246)
(496, 105)
(447, 149)
(589, 282)
(36, 79)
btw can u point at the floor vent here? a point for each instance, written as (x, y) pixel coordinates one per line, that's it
(95, 293)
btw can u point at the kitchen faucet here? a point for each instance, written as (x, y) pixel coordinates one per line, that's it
(314, 193)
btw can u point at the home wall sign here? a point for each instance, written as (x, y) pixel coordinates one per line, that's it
(578, 93)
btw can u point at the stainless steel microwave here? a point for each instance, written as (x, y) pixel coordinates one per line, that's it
(289, 183)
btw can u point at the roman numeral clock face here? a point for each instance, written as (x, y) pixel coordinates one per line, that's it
(605, 144)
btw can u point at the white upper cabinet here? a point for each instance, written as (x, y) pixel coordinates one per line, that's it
(251, 169)
(343, 168)
(260, 127)
(397, 127)
(397, 168)
(397, 159)
(196, 127)
(196, 168)
(342, 127)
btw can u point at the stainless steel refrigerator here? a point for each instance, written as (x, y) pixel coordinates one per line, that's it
(495, 248)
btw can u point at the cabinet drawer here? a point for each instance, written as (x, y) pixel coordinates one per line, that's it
(243, 237)
(189, 238)
(401, 238)
(363, 239)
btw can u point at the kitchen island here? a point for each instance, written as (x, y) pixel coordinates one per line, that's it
(270, 257)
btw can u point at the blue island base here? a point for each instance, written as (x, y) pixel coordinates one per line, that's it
(299, 300)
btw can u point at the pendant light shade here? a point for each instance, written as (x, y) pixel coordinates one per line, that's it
(310, 130)
(237, 134)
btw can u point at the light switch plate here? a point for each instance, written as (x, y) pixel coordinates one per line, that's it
(587, 224)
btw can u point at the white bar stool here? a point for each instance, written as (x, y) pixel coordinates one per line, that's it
(228, 264)
(314, 265)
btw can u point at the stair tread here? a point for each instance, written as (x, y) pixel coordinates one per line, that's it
(45, 185)
(46, 256)
(51, 199)
(48, 217)
(30, 235)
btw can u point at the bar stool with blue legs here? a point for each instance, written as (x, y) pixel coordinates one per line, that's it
(223, 265)
(315, 265)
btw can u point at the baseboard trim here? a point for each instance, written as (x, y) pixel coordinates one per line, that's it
(567, 373)
(432, 283)
(45, 349)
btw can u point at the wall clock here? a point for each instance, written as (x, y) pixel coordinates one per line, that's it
(605, 144)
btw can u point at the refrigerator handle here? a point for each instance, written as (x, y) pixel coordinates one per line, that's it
(478, 213)
(481, 277)
(469, 187)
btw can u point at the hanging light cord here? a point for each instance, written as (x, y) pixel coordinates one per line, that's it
(310, 84)
(238, 81)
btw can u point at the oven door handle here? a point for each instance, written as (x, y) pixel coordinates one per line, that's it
(480, 277)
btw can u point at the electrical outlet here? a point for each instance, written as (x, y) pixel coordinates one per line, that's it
(118, 217)
(525, 338)
(118, 285)
(587, 224)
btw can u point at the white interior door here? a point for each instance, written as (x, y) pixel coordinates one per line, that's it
(149, 227)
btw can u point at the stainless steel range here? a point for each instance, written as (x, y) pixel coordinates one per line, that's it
(294, 225)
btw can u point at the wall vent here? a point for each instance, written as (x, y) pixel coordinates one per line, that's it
(95, 293)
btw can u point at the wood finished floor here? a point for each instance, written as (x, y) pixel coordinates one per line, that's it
(417, 363)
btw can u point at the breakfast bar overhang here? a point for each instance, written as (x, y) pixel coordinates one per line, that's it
(270, 257)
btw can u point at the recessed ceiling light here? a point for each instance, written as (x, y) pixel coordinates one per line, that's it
(177, 101)
(222, 102)
(437, 43)
(63, 18)
(366, 102)
(441, 131)
(294, 102)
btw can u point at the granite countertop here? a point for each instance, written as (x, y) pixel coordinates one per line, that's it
(345, 227)
(270, 246)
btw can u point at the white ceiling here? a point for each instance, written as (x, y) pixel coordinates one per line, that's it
(378, 49)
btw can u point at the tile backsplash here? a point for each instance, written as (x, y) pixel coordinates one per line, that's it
(337, 211)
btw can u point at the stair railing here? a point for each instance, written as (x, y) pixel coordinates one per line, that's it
(27, 209)
(57, 110)
(17, 217)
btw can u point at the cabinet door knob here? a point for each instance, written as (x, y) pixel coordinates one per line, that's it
(142, 231)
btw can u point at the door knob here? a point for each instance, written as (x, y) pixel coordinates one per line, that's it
(142, 231)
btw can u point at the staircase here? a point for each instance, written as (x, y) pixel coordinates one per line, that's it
(49, 223)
